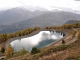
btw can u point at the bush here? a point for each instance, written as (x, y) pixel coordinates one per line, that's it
(63, 42)
(23, 51)
(74, 33)
(9, 51)
(2, 50)
(35, 50)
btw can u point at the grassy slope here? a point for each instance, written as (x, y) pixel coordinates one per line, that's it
(71, 51)
(62, 52)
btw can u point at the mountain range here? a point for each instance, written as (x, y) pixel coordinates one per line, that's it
(50, 19)
(16, 19)
(14, 15)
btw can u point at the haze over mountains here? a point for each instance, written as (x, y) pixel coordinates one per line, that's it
(50, 19)
(16, 19)
(17, 14)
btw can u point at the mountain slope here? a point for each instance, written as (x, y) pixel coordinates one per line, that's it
(17, 14)
(46, 19)
(50, 19)
(57, 51)
(72, 21)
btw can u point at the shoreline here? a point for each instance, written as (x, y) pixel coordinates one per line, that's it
(33, 33)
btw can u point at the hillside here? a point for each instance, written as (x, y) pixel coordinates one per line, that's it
(14, 15)
(56, 51)
(65, 54)
(41, 19)
(72, 22)
(50, 19)
(11, 28)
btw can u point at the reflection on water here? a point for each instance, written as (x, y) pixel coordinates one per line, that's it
(39, 40)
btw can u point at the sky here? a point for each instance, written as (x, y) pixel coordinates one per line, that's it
(47, 4)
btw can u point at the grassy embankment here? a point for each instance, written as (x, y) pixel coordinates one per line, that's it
(52, 52)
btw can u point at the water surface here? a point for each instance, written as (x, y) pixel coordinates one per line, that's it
(42, 39)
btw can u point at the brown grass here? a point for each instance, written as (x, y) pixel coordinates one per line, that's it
(71, 51)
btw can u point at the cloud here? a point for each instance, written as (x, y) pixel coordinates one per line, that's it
(48, 4)
(76, 0)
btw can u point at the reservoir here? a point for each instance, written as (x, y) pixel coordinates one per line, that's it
(39, 40)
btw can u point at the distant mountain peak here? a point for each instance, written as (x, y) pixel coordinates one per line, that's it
(38, 8)
(32, 9)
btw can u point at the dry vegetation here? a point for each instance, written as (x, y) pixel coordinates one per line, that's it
(57, 51)
(63, 52)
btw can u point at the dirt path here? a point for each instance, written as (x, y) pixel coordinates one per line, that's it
(73, 40)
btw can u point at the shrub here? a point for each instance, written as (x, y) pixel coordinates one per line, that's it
(2, 50)
(63, 42)
(74, 33)
(23, 51)
(35, 50)
(9, 51)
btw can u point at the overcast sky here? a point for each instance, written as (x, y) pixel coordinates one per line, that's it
(48, 4)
